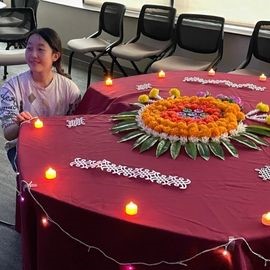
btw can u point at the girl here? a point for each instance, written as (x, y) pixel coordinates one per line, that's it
(40, 91)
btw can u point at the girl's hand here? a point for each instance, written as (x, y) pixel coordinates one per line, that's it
(23, 116)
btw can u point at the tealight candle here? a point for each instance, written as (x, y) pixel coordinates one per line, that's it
(131, 209)
(266, 219)
(38, 123)
(211, 72)
(262, 77)
(161, 74)
(50, 174)
(108, 81)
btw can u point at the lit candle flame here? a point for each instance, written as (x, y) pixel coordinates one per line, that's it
(50, 174)
(108, 81)
(262, 77)
(211, 72)
(38, 123)
(161, 74)
(131, 209)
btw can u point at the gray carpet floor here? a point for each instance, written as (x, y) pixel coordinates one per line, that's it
(10, 242)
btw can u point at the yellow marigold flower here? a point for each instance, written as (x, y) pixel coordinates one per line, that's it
(159, 128)
(193, 132)
(240, 116)
(267, 120)
(232, 126)
(175, 92)
(215, 132)
(183, 132)
(205, 133)
(262, 107)
(222, 130)
(221, 116)
(154, 93)
(143, 98)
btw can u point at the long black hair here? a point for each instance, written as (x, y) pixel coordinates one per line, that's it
(54, 41)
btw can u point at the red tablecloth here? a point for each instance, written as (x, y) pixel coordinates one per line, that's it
(100, 98)
(225, 198)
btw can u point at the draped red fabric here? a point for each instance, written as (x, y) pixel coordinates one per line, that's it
(224, 199)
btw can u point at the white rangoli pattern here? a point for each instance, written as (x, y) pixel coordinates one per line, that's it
(145, 86)
(224, 82)
(150, 175)
(264, 172)
(78, 121)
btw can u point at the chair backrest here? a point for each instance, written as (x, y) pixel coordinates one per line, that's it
(200, 33)
(19, 30)
(156, 22)
(32, 4)
(111, 18)
(259, 45)
(26, 3)
(17, 3)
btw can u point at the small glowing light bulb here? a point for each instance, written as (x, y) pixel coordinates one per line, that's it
(225, 252)
(22, 199)
(44, 221)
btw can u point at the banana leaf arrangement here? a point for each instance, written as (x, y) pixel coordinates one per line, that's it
(127, 122)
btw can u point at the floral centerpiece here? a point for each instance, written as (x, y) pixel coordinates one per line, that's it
(202, 125)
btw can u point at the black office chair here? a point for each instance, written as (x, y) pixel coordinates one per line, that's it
(34, 5)
(16, 34)
(10, 20)
(153, 39)
(111, 23)
(198, 44)
(259, 49)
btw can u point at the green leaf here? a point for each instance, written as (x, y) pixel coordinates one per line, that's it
(123, 117)
(255, 138)
(148, 143)
(162, 147)
(175, 149)
(258, 130)
(123, 126)
(216, 149)
(203, 150)
(122, 123)
(245, 142)
(135, 112)
(140, 140)
(191, 149)
(259, 127)
(131, 135)
(138, 104)
(229, 146)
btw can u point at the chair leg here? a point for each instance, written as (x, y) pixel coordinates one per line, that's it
(70, 62)
(120, 67)
(135, 67)
(105, 71)
(5, 73)
(149, 65)
(89, 72)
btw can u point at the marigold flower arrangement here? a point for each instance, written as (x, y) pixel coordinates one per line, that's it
(202, 125)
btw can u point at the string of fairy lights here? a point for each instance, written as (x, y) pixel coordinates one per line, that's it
(225, 248)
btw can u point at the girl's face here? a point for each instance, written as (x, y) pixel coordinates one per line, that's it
(39, 55)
